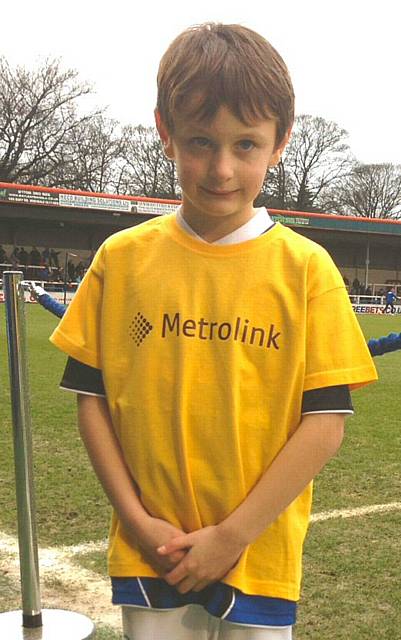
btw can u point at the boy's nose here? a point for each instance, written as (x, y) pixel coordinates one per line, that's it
(221, 166)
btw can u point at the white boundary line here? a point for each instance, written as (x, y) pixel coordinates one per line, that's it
(8, 544)
(357, 511)
(101, 545)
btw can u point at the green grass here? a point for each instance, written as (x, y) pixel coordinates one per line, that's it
(71, 507)
(367, 469)
(10, 595)
(106, 633)
(93, 560)
(351, 587)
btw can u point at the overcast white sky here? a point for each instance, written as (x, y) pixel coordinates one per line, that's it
(344, 56)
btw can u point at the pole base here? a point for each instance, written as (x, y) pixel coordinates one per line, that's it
(57, 625)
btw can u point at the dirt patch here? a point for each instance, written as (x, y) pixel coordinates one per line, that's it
(64, 585)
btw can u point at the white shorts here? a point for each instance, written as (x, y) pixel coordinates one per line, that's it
(191, 622)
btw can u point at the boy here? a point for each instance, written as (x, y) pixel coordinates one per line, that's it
(390, 300)
(209, 335)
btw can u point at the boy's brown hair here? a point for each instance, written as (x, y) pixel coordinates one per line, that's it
(227, 65)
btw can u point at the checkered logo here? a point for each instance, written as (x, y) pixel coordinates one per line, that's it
(139, 328)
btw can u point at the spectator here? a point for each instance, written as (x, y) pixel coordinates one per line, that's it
(53, 259)
(71, 270)
(57, 275)
(88, 261)
(35, 256)
(15, 256)
(23, 257)
(80, 270)
(46, 255)
(45, 274)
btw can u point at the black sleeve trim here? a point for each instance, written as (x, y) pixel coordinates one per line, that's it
(327, 399)
(80, 377)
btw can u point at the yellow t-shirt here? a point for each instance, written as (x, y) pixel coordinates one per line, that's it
(206, 351)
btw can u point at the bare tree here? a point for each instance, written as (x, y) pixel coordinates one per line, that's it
(147, 171)
(91, 158)
(38, 113)
(370, 190)
(277, 188)
(316, 157)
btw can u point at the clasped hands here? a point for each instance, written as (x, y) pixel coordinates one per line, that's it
(190, 561)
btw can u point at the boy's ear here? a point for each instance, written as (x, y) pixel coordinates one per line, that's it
(277, 153)
(165, 136)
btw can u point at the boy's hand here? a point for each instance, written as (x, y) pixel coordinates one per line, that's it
(158, 532)
(211, 554)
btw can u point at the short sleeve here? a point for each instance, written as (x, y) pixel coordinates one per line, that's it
(78, 333)
(336, 399)
(81, 378)
(336, 350)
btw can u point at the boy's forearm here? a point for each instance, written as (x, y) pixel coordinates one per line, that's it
(214, 550)
(105, 454)
(316, 440)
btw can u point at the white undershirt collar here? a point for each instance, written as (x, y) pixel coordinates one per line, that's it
(257, 225)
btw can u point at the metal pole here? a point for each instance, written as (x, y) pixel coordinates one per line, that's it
(33, 624)
(65, 276)
(367, 262)
(67, 254)
(21, 415)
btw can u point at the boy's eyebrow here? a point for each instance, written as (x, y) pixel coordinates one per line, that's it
(197, 129)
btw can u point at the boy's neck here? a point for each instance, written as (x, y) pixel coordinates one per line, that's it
(212, 229)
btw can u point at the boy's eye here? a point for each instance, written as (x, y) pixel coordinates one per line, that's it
(246, 145)
(200, 142)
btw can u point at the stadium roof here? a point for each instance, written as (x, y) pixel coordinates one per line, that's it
(20, 204)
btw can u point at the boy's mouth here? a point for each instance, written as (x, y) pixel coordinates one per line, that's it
(219, 192)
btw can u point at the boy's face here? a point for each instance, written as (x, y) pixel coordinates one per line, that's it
(221, 167)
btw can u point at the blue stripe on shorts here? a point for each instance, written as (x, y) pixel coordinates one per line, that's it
(219, 599)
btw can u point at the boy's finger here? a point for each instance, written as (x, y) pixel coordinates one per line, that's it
(176, 575)
(201, 585)
(175, 544)
(189, 584)
(176, 556)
